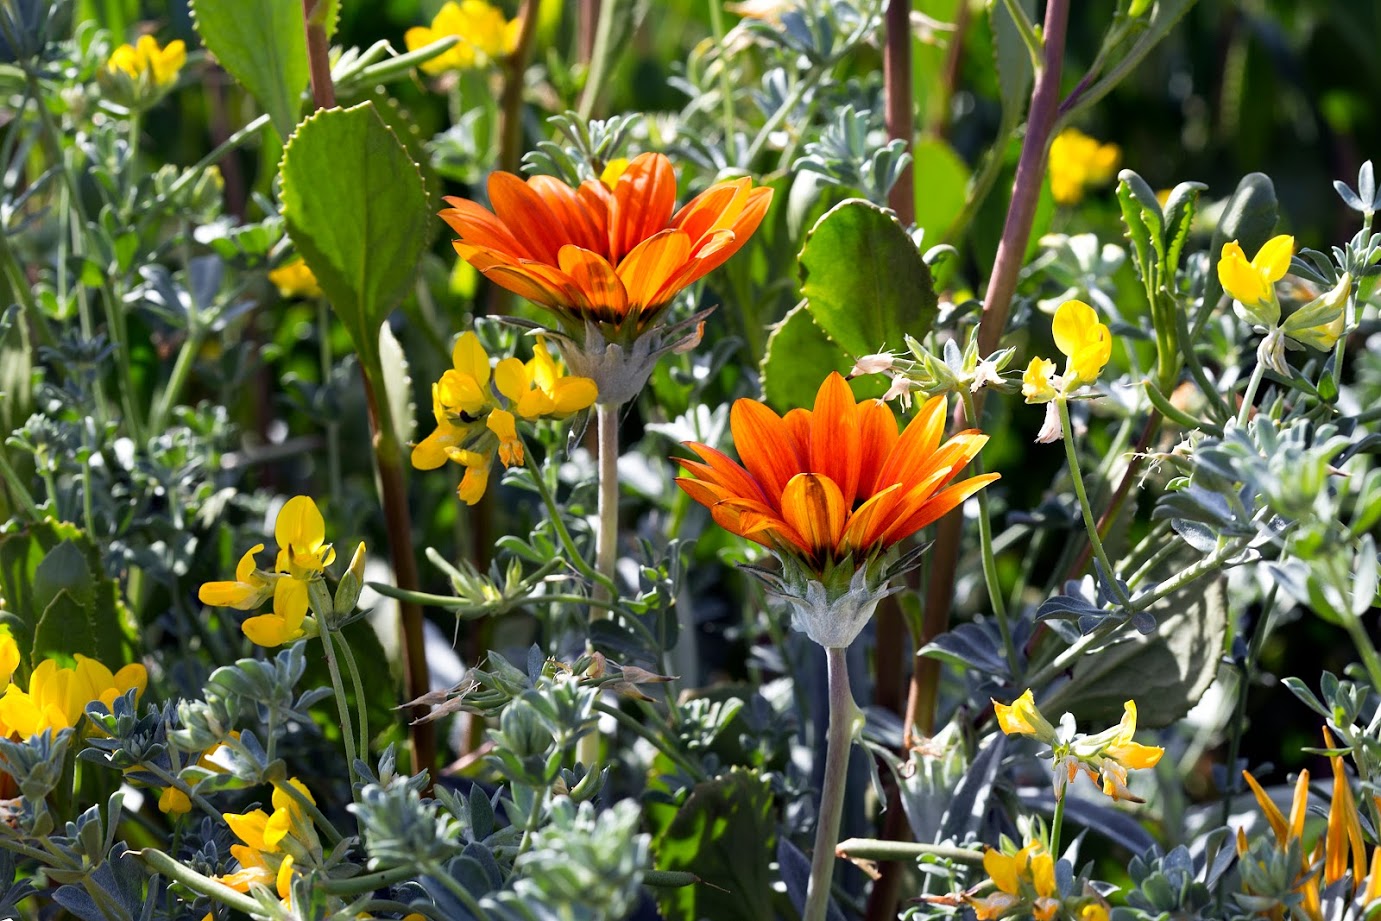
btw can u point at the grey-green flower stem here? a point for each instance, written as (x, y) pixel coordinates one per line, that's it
(879, 849)
(161, 863)
(342, 706)
(838, 741)
(606, 548)
(1090, 522)
(985, 538)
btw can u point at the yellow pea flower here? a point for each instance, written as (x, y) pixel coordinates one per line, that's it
(1038, 383)
(1085, 341)
(1252, 283)
(1022, 717)
(295, 279)
(540, 388)
(288, 817)
(145, 60)
(1078, 161)
(301, 535)
(57, 697)
(1112, 753)
(1319, 323)
(483, 31)
(1026, 878)
(173, 801)
(9, 656)
(473, 426)
(246, 592)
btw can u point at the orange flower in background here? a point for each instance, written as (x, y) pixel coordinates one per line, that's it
(836, 481)
(610, 254)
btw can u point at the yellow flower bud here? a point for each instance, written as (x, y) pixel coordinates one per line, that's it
(1319, 323)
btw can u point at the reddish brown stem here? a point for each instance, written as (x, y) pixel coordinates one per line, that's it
(392, 490)
(1002, 285)
(896, 88)
(319, 58)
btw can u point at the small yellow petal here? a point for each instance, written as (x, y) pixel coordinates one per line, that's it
(1272, 261)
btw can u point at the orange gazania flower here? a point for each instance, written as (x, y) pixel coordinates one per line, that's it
(608, 254)
(834, 482)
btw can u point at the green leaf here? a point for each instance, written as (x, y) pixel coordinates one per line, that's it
(1014, 71)
(799, 357)
(1250, 218)
(58, 599)
(941, 189)
(397, 385)
(864, 280)
(723, 834)
(355, 207)
(263, 45)
(1180, 209)
(1165, 673)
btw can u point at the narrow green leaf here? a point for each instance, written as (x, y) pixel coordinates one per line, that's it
(864, 280)
(355, 208)
(263, 45)
(397, 385)
(1014, 71)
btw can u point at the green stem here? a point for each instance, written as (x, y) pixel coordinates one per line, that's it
(573, 553)
(1056, 826)
(645, 733)
(201, 802)
(438, 873)
(342, 706)
(726, 84)
(534, 816)
(599, 58)
(1365, 648)
(361, 702)
(368, 882)
(1249, 397)
(879, 849)
(843, 718)
(161, 863)
(235, 140)
(985, 538)
(1090, 522)
(606, 546)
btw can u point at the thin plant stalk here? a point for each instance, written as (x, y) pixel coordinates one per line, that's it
(985, 539)
(1056, 826)
(1249, 397)
(606, 546)
(342, 706)
(361, 702)
(843, 719)
(599, 57)
(1090, 523)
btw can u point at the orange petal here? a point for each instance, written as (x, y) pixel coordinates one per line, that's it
(798, 426)
(834, 444)
(877, 435)
(765, 447)
(525, 215)
(642, 203)
(743, 227)
(478, 227)
(718, 468)
(538, 283)
(713, 209)
(595, 277)
(757, 522)
(867, 524)
(915, 445)
(651, 263)
(1299, 806)
(575, 224)
(705, 492)
(701, 261)
(1268, 808)
(935, 508)
(813, 505)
